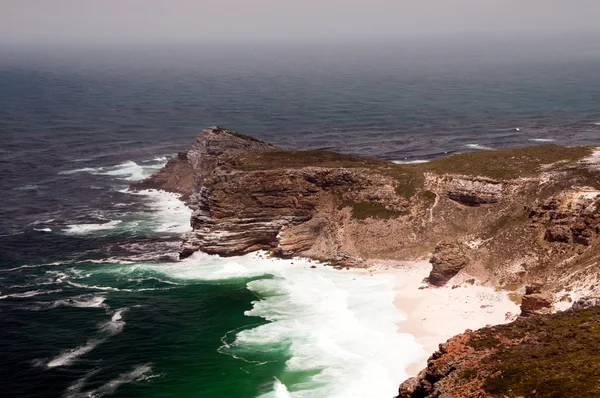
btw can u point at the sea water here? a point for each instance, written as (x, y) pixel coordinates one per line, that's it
(93, 300)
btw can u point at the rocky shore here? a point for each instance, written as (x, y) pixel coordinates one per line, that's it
(524, 220)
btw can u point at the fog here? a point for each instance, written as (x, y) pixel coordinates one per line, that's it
(45, 22)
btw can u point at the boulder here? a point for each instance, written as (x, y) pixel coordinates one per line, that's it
(448, 259)
(558, 233)
(536, 301)
(586, 302)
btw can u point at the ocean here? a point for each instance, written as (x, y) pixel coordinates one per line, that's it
(93, 301)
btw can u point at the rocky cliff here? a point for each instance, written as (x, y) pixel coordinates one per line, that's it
(512, 218)
(543, 356)
(525, 220)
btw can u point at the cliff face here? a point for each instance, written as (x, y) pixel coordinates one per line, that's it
(512, 217)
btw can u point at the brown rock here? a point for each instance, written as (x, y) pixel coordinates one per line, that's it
(447, 260)
(177, 176)
(536, 301)
(586, 302)
(558, 233)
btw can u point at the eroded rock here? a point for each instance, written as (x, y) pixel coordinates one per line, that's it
(448, 259)
(536, 301)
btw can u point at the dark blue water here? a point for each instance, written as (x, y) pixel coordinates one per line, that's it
(93, 110)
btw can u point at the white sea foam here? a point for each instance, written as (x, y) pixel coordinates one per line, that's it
(68, 357)
(416, 161)
(541, 139)
(139, 373)
(31, 293)
(81, 229)
(478, 146)
(27, 188)
(279, 391)
(83, 301)
(128, 171)
(170, 213)
(31, 266)
(339, 327)
(112, 289)
(107, 329)
(42, 229)
(157, 159)
(116, 323)
(83, 170)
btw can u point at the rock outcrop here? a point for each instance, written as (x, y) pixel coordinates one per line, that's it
(586, 302)
(448, 259)
(177, 176)
(541, 356)
(536, 301)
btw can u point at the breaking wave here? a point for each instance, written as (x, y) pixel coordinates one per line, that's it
(80, 229)
(128, 171)
(82, 301)
(338, 328)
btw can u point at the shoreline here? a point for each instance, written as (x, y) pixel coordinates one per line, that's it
(435, 314)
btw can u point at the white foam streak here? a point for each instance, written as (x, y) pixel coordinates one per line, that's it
(30, 266)
(110, 288)
(416, 161)
(139, 373)
(128, 171)
(541, 139)
(29, 294)
(81, 229)
(83, 301)
(478, 146)
(67, 358)
(107, 329)
(27, 188)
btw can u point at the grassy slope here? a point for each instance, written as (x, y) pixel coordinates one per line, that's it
(547, 356)
(501, 164)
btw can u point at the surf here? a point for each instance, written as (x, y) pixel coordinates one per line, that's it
(337, 329)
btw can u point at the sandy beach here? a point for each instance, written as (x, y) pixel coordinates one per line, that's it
(434, 314)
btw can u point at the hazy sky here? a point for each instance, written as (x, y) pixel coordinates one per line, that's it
(108, 21)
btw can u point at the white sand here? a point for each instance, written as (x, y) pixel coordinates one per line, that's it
(433, 315)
